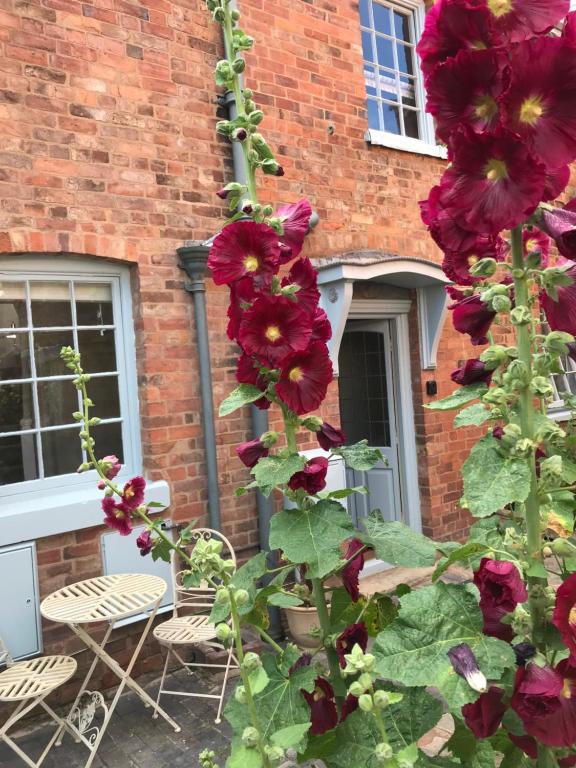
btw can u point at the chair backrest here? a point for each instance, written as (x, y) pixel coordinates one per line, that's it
(5, 657)
(197, 599)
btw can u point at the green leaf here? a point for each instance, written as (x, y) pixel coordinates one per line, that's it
(291, 736)
(360, 456)
(491, 480)
(281, 600)
(398, 544)
(474, 416)
(483, 757)
(155, 505)
(461, 555)
(161, 551)
(343, 493)
(258, 680)
(459, 397)
(486, 531)
(414, 649)
(244, 757)
(537, 571)
(313, 537)
(462, 743)
(242, 395)
(275, 470)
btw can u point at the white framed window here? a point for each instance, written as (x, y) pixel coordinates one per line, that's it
(43, 307)
(395, 94)
(563, 383)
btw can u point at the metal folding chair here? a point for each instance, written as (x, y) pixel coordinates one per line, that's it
(29, 683)
(190, 624)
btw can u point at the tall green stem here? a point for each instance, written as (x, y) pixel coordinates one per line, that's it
(324, 619)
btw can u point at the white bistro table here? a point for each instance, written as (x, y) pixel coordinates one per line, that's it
(104, 599)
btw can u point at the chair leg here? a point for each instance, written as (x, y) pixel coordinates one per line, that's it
(168, 654)
(221, 702)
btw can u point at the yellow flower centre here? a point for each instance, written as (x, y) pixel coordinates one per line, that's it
(485, 108)
(319, 694)
(128, 493)
(572, 617)
(473, 260)
(567, 689)
(272, 333)
(496, 170)
(531, 245)
(500, 7)
(295, 374)
(250, 263)
(119, 514)
(531, 110)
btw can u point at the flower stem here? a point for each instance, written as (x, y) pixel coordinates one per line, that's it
(324, 619)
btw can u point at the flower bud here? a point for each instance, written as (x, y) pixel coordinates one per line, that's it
(239, 134)
(501, 304)
(369, 661)
(552, 468)
(248, 93)
(240, 694)
(256, 117)
(563, 548)
(222, 595)
(249, 106)
(484, 268)
(250, 737)
(242, 596)
(381, 699)
(365, 702)
(383, 752)
(541, 386)
(557, 342)
(494, 356)
(267, 210)
(223, 633)
(356, 689)
(238, 66)
(520, 316)
(235, 15)
(274, 754)
(464, 664)
(546, 552)
(251, 662)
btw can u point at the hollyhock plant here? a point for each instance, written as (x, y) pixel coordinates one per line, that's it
(312, 478)
(295, 220)
(273, 328)
(133, 493)
(304, 378)
(244, 249)
(457, 265)
(500, 584)
(445, 227)
(471, 372)
(464, 663)
(483, 717)
(111, 466)
(242, 294)
(471, 315)
(117, 516)
(355, 634)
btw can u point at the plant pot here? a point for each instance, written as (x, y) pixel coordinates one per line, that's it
(301, 621)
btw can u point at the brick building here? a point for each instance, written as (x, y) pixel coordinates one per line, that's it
(109, 162)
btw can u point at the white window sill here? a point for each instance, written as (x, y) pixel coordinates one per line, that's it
(405, 144)
(560, 414)
(59, 512)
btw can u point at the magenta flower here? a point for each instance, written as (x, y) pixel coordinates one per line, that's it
(304, 378)
(351, 571)
(561, 314)
(111, 466)
(303, 274)
(242, 294)
(471, 372)
(494, 182)
(330, 437)
(145, 543)
(564, 617)
(133, 493)
(556, 182)
(295, 218)
(273, 328)
(499, 583)
(471, 315)
(321, 328)
(540, 105)
(312, 478)
(457, 265)
(483, 717)
(560, 225)
(244, 248)
(444, 224)
(323, 710)
(117, 516)
(569, 29)
(521, 19)
(355, 634)
(251, 452)
(535, 241)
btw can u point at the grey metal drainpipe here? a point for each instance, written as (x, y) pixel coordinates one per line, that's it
(192, 258)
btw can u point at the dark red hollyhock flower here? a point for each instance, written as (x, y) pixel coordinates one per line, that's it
(499, 583)
(465, 91)
(244, 248)
(545, 700)
(535, 241)
(350, 573)
(303, 274)
(323, 711)
(560, 225)
(251, 452)
(556, 182)
(484, 716)
(117, 516)
(330, 437)
(321, 328)
(569, 29)
(494, 182)
(457, 265)
(527, 744)
(493, 625)
(471, 372)
(453, 25)
(247, 372)
(470, 315)
(145, 543)
(304, 378)
(242, 294)
(564, 617)
(312, 478)
(520, 19)
(561, 314)
(445, 228)
(133, 493)
(540, 105)
(274, 327)
(355, 634)
(295, 219)
(350, 705)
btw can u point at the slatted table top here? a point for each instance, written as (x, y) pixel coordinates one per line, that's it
(104, 598)
(35, 677)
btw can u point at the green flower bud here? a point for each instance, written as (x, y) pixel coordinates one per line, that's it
(557, 342)
(356, 689)
(235, 15)
(239, 65)
(563, 548)
(494, 356)
(256, 117)
(242, 597)
(240, 694)
(520, 316)
(248, 93)
(222, 595)
(484, 268)
(541, 386)
(546, 551)
(365, 702)
(552, 468)
(250, 737)
(251, 662)
(223, 633)
(274, 754)
(383, 752)
(501, 304)
(269, 439)
(365, 680)
(267, 210)
(369, 661)
(381, 699)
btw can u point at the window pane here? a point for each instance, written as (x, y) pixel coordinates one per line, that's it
(402, 26)
(13, 305)
(97, 350)
(405, 58)
(411, 124)
(18, 460)
(16, 407)
(57, 402)
(385, 52)
(364, 13)
(50, 304)
(370, 79)
(367, 46)
(382, 22)
(408, 88)
(104, 394)
(388, 85)
(373, 115)
(108, 439)
(14, 356)
(391, 119)
(47, 346)
(93, 303)
(61, 452)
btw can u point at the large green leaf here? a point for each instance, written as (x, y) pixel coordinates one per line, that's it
(275, 470)
(463, 554)
(313, 537)
(483, 757)
(474, 416)
(242, 395)
(398, 544)
(491, 480)
(432, 620)
(459, 397)
(360, 456)
(244, 757)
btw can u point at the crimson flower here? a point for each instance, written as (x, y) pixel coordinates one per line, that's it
(323, 711)
(493, 625)
(545, 700)
(304, 378)
(295, 218)
(274, 327)
(499, 583)
(457, 265)
(556, 182)
(464, 90)
(494, 182)
(351, 571)
(145, 543)
(564, 617)
(321, 328)
(535, 241)
(248, 372)
(133, 493)
(483, 717)
(471, 372)
(569, 29)
(350, 705)
(355, 634)
(312, 478)
(242, 294)
(561, 314)
(251, 452)
(117, 516)
(303, 274)
(560, 225)
(471, 315)
(445, 227)
(330, 437)
(527, 744)
(244, 248)
(521, 19)
(111, 466)
(540, 105)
